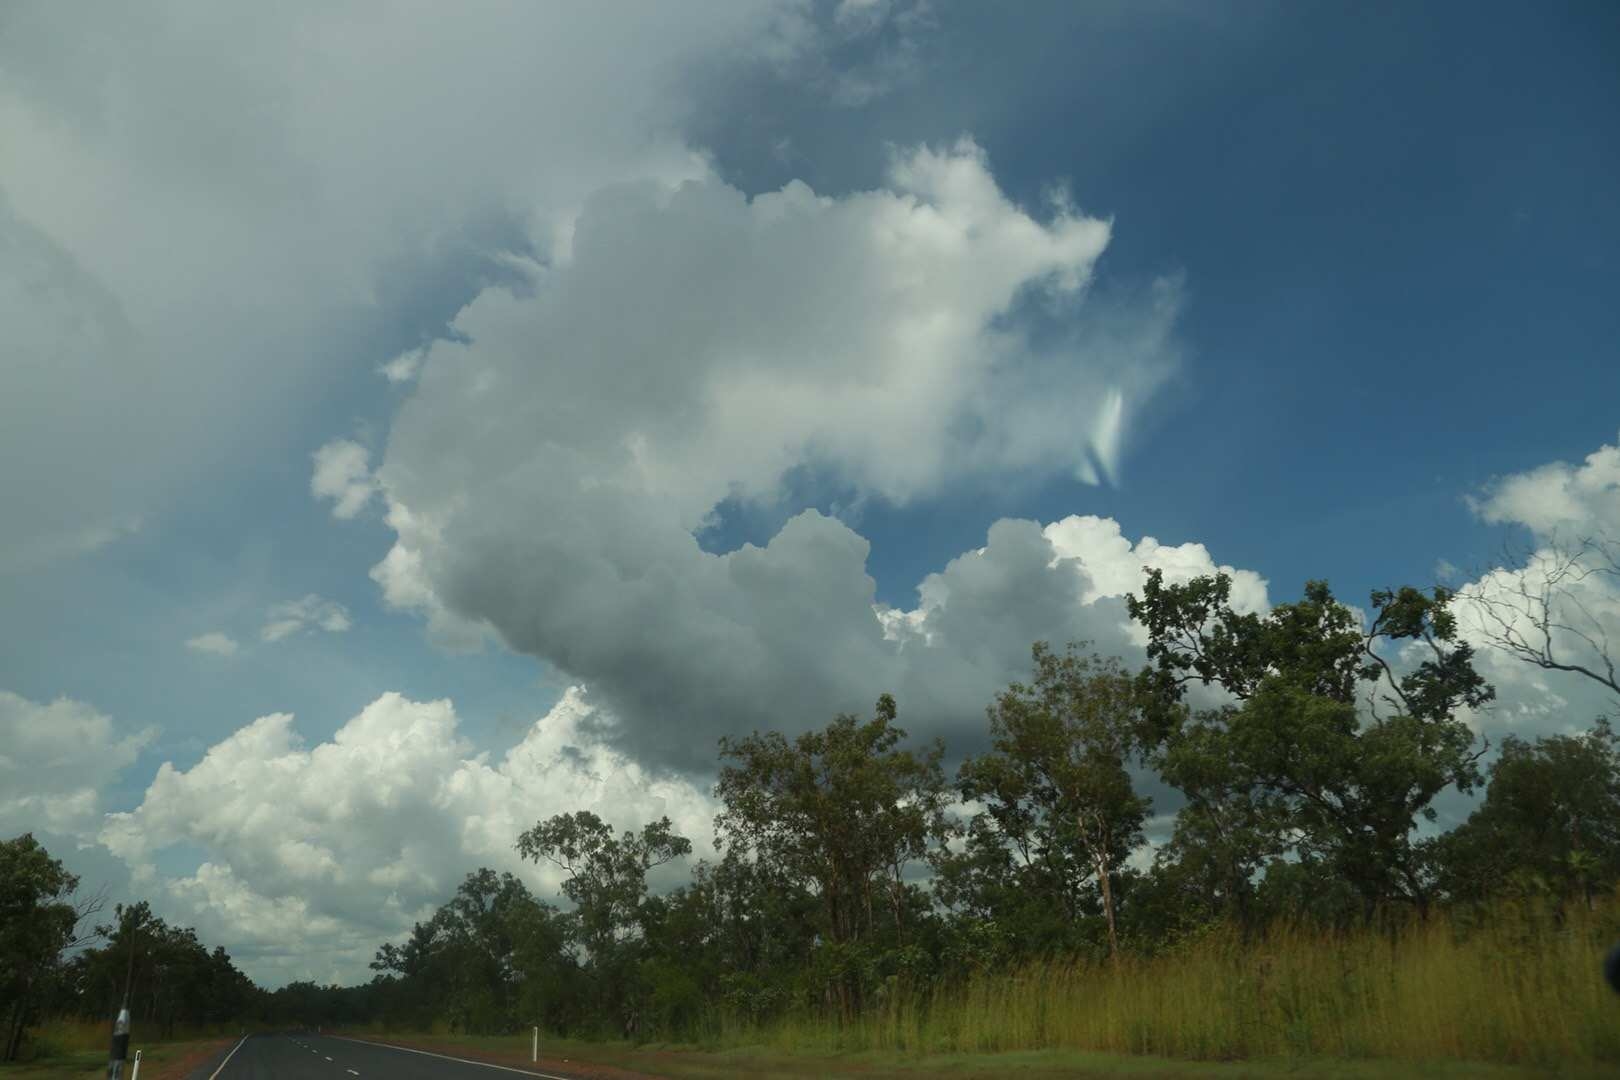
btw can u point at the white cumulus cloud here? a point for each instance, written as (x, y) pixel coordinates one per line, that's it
(403, 368)
(55, 760)
(215, 642)
(1559, 498)
(316, 855)
(343, 474)
(304, 615)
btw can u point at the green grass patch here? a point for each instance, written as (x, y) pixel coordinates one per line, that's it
(156, 1061)
(1519, 993)
(78, 1048)
(687, 1062)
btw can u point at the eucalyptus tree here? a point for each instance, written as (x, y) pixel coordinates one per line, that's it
(841, 812)
(1055, 785)
(607, 881)
(1330, 748)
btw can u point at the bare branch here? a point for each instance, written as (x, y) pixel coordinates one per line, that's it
(1527, 619)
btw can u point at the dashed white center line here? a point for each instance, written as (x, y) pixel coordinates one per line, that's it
(328, 1059)
(351, 1072)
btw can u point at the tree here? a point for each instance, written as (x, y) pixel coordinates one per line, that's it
(1222, 837)
(736, 934)
(607, 875)
(1550, 821)
(38, 920)
(841, 812)
(1055, 784)
(171, 976)
(607, 881)
(1295, 763)
(478, 937)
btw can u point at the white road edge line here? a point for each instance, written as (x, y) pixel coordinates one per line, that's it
(447, 1057)
(228, 1057)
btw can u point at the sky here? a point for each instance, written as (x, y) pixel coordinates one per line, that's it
(418, 423)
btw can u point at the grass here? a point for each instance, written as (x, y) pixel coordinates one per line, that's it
(62, 1049)
(688, 1062)
(1517, 994)
(1520, 989)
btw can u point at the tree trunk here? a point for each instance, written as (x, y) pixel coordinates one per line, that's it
(1100, 862)
(1108, 908)
(14, 1028)
(896, 892)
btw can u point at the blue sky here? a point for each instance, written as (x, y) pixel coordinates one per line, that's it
(1394, 221)
(1390, 230)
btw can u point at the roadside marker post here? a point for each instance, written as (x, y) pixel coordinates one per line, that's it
(135, 1073)
(534, 1052)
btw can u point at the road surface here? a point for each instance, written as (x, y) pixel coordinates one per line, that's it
(301, 1056)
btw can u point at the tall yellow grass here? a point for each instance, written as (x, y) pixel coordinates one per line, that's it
(1518, 987)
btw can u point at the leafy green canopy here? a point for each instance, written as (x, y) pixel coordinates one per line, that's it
(1296, 766)
(1061, 813)
(841, 813)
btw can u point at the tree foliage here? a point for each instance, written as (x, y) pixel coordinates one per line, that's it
(841, 813)
(1549, 822)
(53, 962)
(1061, 813)
(38, 920)
(1330, 752)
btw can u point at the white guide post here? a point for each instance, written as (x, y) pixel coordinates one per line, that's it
(135, 1073)
(534, 1051)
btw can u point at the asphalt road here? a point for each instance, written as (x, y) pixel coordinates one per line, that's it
(300, 1056)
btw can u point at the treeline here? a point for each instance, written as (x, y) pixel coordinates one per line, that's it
(56, 961)
(853, 870)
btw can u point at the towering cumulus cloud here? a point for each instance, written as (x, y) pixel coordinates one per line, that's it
(548, 475)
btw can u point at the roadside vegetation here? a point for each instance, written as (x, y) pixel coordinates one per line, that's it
(65, 1047)
(870, 904)
(65, 970)
(869, 901)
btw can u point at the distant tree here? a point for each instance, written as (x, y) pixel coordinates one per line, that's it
(1222, 837)
(841, 812)
(1550, 821)
(1055, 784)
(607, 881)
(171, 976)
(411, 957)
(607, 874)
(1295, 762)
(477, 935)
